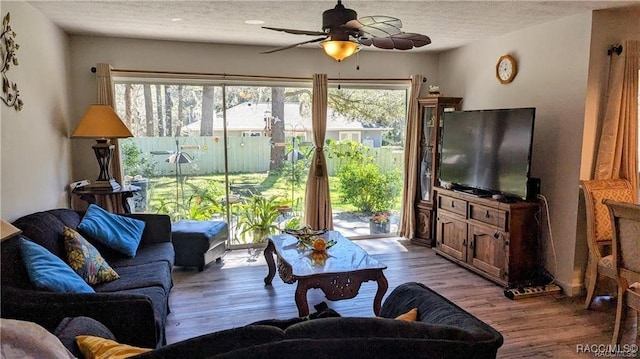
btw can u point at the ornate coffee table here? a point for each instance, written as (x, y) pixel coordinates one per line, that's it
(339, 277)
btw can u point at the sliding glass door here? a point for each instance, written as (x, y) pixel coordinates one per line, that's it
(240, 152)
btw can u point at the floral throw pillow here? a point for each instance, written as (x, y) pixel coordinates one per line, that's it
(85, 259)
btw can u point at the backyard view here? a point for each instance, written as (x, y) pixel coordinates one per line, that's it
(246, 160)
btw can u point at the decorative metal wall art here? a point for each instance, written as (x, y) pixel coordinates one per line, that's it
(8, 48)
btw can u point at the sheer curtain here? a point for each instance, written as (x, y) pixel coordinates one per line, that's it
(318, 204)
(407, 219)
(618, 149)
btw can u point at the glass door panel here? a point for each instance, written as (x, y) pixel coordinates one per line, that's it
(198, 159)
(426, 164)
(366, 167)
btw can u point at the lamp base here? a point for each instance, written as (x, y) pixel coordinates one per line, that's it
(107, 186)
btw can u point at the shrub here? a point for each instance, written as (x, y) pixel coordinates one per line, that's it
(367, 188)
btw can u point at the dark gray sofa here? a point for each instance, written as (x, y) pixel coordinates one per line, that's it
(443, 330)
(134, 307)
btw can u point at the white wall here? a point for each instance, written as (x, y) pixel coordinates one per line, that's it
(35, 152)
(552, 76)
(133, 54)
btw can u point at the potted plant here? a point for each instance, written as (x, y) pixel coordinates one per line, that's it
(258, 217)
(379, 223)
(137, 169)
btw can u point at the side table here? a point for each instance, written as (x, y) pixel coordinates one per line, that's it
(114, 201)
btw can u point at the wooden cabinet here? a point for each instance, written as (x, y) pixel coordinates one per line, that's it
(494, 239)
(431, 112)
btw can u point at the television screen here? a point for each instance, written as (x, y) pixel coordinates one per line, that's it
(488, 150)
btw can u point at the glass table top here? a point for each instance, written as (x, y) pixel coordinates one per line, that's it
(344, 256)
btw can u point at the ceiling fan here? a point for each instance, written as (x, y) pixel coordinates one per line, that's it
(343, 33)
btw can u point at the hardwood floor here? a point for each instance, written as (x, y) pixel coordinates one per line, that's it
(232, 293)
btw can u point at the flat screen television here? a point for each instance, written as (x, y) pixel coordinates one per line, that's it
(487, 152)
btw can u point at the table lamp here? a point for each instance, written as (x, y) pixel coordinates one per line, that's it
(101, 123)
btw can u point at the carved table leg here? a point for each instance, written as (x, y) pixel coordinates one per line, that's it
(301, 297)
(383, 285)
(268, 256)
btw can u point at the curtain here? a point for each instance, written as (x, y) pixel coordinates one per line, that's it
(105, 96)
(407, 218)
(318, 204)
(618, 149)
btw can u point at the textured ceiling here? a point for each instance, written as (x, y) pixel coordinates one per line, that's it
(450, 24)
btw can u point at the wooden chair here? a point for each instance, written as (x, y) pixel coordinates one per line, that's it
(599, 230)
(625, 218)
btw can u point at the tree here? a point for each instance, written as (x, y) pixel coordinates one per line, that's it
(148, 107)
(277, 127)
(168, 107)
(161, 132)
(206, 124)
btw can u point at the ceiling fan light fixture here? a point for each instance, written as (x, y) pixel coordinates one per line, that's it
(340, 50)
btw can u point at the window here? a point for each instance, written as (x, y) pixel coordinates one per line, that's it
(350, 136)
(199, 154)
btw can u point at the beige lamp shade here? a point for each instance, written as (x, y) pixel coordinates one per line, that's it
(100, 121)
(340, 50)
(7, 230)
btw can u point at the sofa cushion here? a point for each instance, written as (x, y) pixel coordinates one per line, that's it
(224, 341)
(85, 259)
(22, 339)
(70, 327)
(145, 275)
(49, 272)
(147, 253)
(351, 348)
(44, 229)
(118, 232)
(355, 327)
(101, 348)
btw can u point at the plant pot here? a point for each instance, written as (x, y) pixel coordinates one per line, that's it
(379, 228)
(140, 197)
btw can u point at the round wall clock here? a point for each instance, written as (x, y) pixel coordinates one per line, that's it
(506, 69)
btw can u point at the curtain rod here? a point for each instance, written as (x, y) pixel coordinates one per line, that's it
(225, 75)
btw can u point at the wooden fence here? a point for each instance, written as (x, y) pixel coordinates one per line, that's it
(246, 154)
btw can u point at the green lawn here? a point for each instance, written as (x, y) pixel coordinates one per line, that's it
(164, 190)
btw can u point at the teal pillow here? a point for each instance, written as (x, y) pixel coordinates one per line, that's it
(48, 271)
(114, 231)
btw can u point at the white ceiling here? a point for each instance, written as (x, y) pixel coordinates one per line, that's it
(450, 24)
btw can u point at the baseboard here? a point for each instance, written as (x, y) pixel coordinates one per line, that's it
(573, 289)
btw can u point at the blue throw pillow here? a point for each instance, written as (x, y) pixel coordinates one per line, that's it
(48, 271)
(114, 231)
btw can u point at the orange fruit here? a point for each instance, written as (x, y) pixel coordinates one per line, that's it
(319, 244)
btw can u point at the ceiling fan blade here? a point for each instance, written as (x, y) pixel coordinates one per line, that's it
(296, 32)
(401, 41)
(294, 45)
(377, 26)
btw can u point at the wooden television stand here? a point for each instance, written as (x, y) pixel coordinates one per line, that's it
(494, 239)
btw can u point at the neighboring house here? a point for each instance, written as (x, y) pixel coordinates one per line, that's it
(250, 119)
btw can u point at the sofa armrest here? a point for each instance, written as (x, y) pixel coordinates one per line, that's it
(433, 308)
(129, 316)
(157, 228)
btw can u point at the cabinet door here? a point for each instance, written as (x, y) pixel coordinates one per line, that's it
(423, 224)
(452, 236)
(487, 250)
